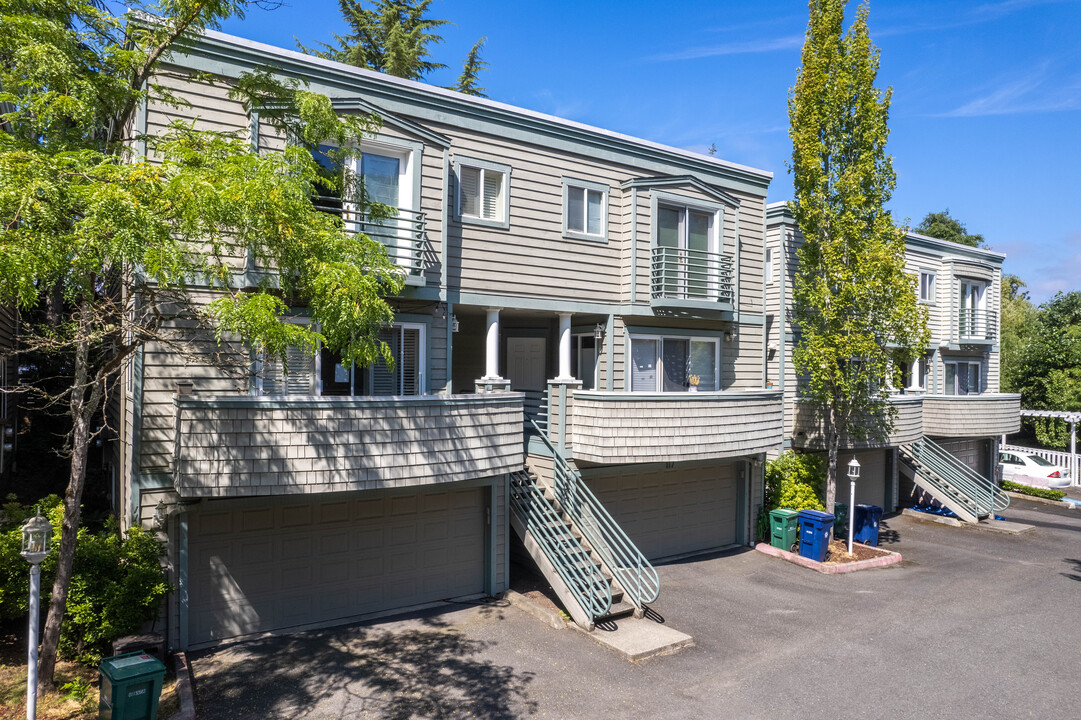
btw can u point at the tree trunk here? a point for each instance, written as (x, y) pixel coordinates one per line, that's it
(82, 410)
(833, 440)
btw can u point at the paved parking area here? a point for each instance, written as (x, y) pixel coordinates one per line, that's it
(973, 624)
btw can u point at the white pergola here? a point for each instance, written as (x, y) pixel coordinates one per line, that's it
(1071, 417)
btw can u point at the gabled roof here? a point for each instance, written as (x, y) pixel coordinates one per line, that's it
(670, 181)
(361, 105)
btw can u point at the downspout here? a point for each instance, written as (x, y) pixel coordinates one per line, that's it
(444, 254)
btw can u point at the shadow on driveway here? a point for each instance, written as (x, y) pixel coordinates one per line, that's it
(422, 666)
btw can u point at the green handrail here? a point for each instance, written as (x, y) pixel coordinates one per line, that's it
(999, 500)
(402, 233)
(635, 573)
(571, 561)
(948, 474)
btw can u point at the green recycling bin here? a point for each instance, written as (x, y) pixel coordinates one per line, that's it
(130, 687)
(782, 528)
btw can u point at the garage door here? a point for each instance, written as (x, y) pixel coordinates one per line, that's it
(671, 512)
(871, 487)
(268, 565)
(971, 452)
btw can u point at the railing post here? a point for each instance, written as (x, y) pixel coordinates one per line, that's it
(562, 391)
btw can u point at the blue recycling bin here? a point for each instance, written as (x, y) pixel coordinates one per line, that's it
(814, 534)
(866, 524)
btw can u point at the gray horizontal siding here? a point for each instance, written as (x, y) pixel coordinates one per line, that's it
(971, 415)
(233, 447)
(611, 428)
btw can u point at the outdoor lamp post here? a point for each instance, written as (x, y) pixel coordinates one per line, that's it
(37, 534)
(853, 476)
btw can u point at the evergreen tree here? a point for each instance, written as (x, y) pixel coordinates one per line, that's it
(943, 226)
(855, 306)
(395, 37)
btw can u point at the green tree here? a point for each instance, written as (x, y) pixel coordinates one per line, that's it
(944, 227)
(1019, 319)
(1048, 373)
(395, 37)
(467, 81)
(124, 251)
(855, 306)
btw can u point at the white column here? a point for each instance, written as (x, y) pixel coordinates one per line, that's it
(491, 355)
(565, 372)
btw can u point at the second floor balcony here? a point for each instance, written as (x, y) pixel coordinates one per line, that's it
(809, 426)
(976, 415)
(682, 278)
(974, 325)
(403, 234)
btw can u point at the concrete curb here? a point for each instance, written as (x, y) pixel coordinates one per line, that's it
(891, 558)
(549, 617)
(1040, 500)
(183, 688)
(931, 518)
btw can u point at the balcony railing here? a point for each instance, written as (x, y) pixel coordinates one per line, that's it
(974, 324)
(982, 415)
(402, 235)
(699, 275)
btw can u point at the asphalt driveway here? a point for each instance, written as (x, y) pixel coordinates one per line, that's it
(973, 624)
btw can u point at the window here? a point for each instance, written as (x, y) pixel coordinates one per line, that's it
(927, 286)
(670, 364)
(584, 360)
(914, 376)
(971, 321)
(482, 192)
(325, 374)
(769, 266)
(963, 378)
(585, 210)
(686, 242)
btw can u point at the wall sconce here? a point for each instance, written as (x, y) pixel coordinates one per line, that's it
(598, 331)
(729, 335)
(453, 323)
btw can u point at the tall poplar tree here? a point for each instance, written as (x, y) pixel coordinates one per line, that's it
(855, 306)
(124, 249)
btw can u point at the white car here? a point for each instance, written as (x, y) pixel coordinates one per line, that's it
(1014, 463)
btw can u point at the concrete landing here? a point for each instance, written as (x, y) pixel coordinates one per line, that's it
(636, 639)
(1005, 526)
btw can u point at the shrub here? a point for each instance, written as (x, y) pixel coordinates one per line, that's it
(793, 481)
(117, 582)
(1047, 493)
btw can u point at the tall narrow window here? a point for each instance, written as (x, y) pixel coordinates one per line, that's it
(927, 286)
(687, 264)
(406, 377)
(768, 270)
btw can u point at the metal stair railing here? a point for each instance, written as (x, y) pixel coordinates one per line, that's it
(999, 500)
(636, 575)
(949, 475)
(569, 558)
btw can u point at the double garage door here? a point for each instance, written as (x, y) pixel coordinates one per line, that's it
(273, 564)
(673, 512)
(974, 453)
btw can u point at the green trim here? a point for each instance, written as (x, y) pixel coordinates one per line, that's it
(634, 245)
(134, 484)
(668, 181)
(707, 308)
(562, 415)
(743, 493)
(450, 349)
(604, 189)
(490, 541)
(142, 113)
(182, 587)
(716, 333)
(506, 532)
(609, 350)
(227, 55)
(459, 161)
(360, 105)
(444, 246)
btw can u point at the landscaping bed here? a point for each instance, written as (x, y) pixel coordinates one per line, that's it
(863, 557)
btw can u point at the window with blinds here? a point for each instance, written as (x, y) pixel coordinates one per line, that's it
(673, 364)
(295, 377)
(481, 193)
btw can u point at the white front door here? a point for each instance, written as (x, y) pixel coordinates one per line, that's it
(525, 363)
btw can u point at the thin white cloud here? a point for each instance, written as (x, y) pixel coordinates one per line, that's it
(735, 48)
(1035, 92)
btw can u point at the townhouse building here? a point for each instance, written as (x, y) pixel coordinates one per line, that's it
(581, 374)
(943, 448)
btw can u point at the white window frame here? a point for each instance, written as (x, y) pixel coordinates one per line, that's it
(422, 363)
(929, 297)
(660, 338)
(259, 365)
(955, 363)
(486, 166)
(585, 187)
(978, 325)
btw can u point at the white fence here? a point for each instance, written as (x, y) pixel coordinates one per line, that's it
(1063, 459)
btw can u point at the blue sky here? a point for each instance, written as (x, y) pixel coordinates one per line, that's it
(986, 112)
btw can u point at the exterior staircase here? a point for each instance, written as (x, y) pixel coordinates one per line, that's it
(950, 482)
(593, 567)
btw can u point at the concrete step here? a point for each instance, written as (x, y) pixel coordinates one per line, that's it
(618, 610)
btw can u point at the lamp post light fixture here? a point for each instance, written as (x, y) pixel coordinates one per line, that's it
(853, 476)
(37, 535)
